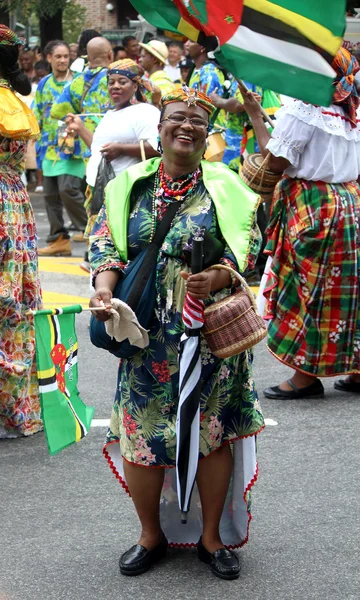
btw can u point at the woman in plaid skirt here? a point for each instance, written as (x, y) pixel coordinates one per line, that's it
(313, 238)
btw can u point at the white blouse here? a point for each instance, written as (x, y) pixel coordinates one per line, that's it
(125, 126)
(319, 142)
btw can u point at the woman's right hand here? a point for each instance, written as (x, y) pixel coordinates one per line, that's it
(102, 297)
(74, 123)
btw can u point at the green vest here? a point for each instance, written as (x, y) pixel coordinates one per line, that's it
(235, 205)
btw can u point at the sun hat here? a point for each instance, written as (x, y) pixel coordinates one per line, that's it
(157, 49)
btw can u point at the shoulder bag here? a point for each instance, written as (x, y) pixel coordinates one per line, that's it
(137, 288)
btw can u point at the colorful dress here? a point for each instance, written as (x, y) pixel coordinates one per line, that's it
(19, 292)
(209, 78)
(142, 427)
(313, 287)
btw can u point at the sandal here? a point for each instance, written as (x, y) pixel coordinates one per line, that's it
(315, 390)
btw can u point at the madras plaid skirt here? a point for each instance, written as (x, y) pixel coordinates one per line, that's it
(312, 289)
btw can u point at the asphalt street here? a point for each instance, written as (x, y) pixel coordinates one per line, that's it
(65, 519)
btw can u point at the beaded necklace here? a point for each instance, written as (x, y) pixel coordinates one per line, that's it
(178, 191)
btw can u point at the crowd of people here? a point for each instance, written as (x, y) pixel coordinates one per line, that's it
(140, 116)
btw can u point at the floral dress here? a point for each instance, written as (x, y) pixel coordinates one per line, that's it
(144, 414)
(19, 292)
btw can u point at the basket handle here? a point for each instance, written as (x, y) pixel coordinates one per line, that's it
(240, 278)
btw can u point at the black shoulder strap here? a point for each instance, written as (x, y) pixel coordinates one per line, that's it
(150, 258)
(164, 226)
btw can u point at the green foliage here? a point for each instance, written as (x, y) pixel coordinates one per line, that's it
(40, 7)
(74, 19)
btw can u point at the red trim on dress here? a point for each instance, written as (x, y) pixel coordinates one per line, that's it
(247, 490)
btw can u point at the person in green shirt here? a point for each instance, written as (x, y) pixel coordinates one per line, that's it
(60, 158)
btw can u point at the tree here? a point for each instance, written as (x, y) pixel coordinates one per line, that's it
(49, 14)
(74, 19)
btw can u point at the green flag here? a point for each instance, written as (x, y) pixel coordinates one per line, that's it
(281, 45)
(66, 418)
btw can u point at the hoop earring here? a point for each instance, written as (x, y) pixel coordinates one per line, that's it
(159, 146)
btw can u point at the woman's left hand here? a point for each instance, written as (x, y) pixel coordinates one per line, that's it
(199, 285)
(251, 104)
(111, 151)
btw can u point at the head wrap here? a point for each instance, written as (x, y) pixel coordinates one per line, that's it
(8, 37)
(191, 97)
(346, 67)
(130, 69)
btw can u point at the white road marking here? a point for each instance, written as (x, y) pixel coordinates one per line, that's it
(106, 422)
(100, 423)
(270, 422)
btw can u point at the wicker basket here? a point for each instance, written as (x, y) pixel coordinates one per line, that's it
(258, 177)
(233, 324)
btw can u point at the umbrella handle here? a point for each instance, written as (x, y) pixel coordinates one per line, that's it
(197, 255)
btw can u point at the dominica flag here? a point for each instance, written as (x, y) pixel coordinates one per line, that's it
(66, 418)
(282, 45)
(271, 104)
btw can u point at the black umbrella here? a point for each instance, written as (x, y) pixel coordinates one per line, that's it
(188, 415)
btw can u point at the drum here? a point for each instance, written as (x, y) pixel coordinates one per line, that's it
(215, 146)
(258, 177)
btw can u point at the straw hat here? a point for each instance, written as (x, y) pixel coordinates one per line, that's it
(157, 49)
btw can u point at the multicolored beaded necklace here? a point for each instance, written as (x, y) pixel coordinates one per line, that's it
(170, 190)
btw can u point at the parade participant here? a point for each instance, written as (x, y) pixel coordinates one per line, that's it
(62, 166)
(313, 238)
(206, 76)
(73, 52)
(186, 66)
(87, 93)
(142, 432)
(119, 53)
(131, 46)
(153, 57)
(118, 135)
(27, 60)
(19, 280)
(172, 66)
(237, 119)
(80, 63)
(41, 70)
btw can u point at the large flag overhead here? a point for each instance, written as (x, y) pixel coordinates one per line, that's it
(66, 418)
(283, 45)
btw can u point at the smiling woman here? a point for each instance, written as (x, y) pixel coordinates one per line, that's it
(117, 137)
(142, 431)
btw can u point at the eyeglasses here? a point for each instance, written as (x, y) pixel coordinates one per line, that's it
(180, 120)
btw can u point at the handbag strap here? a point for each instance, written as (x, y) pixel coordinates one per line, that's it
(150, 258)
(240, 278)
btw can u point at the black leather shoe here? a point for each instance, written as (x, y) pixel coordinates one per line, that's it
(346, 385)
(223, 562)
(315, 390)
(138, 559)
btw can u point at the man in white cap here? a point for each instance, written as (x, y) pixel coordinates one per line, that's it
(152, 58)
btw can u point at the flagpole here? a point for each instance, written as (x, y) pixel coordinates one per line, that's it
(244, 90)
(84, 308)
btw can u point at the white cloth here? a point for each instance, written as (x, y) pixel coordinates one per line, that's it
(123, 325)
(319, 142)
(125, 126)
(173, 72)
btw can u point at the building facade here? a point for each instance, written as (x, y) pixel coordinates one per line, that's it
(110, 17)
